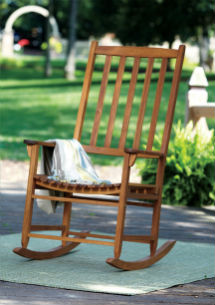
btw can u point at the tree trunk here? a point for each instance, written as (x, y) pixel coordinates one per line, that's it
(70, 63)
(169, 61)
(48, 68)
(204, 44)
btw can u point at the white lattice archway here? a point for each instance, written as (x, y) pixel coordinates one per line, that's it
(7, 38)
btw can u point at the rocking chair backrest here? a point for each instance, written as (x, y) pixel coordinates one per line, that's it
(145, 63)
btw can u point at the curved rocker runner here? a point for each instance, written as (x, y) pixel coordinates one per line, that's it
(100, 141)
(52, 253)
(144, 263)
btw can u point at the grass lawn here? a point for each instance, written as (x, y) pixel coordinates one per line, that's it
(35, 107)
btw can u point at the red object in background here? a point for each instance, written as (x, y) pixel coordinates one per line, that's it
(23, 42)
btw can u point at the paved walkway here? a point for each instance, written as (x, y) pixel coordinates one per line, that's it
(178, 223)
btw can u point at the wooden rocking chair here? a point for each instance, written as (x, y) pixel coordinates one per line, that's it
(145, 60)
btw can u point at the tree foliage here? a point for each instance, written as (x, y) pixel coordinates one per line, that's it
(156, 21)
(133, 21)
(136, 21)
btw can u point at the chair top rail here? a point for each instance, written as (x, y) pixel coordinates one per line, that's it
(136, 52)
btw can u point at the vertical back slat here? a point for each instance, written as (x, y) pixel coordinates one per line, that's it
(85, 91)
(143, 53)
(157, 103)
(129, 103)
(100, 104)
(115, 100)
(172, 99)
(144, 98)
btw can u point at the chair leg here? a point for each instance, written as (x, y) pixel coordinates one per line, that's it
(119, 228)
(155, 226)
(157, 207)
(27, 221)
(33, 153)
(121, 210)
(66, 220)
(155, 255)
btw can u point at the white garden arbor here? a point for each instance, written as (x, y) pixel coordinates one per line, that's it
(8, 37)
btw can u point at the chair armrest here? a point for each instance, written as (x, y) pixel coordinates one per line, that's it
(144, 153)
(41, 143)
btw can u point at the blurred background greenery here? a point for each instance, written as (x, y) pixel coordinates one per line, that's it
(39, 98)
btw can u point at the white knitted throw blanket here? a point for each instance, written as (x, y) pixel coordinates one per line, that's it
(68, 163)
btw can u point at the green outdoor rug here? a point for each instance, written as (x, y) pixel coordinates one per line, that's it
(85, 268)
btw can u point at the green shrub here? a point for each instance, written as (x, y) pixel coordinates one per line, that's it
(20, 63)
(190, 167)
(9, 63)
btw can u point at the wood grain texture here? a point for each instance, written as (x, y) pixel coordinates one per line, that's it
(127, 193)
(29, 201)
(75, 239)
(172, 99)
(144, 263)
(157, 102)
(121, 209)
(66, 221)
(104, 188)
(115, 100)
(52, 253)
(104, 150)
(41, 143)
(144, 98)
(142, 52)
(85, 91)
(100, 103)
(129, 103)
(79, 200)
